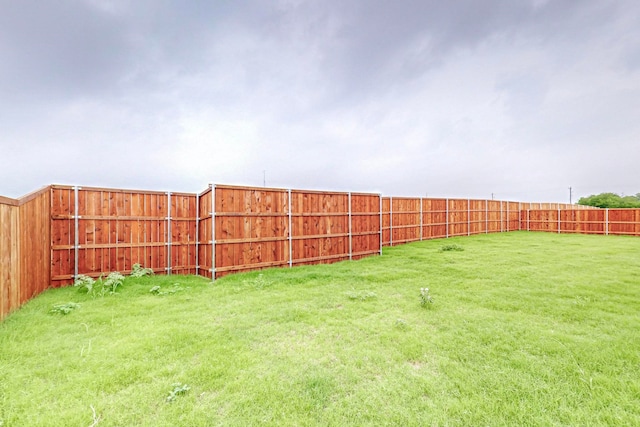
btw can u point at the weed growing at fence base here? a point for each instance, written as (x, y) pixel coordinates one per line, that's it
(527, 329)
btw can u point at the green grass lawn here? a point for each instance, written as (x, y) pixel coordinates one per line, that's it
(525, 329)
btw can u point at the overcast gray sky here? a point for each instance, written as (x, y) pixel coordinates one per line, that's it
(465, 98)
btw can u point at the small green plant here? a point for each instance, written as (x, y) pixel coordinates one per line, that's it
(449, 248)
(64, 308)
(401, 324)
(112, 282)
(101, 286)
(85, 283)
(361, 296)
(139, 271)
(425, 298)
(178, 389)
(157, 290)
(260, 282)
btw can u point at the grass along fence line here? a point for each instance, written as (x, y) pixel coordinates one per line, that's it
(525, 329)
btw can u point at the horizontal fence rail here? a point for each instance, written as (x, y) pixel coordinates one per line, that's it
(51, 236)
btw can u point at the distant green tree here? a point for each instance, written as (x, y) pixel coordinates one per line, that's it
(611, 200)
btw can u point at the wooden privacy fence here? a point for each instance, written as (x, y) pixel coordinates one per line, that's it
(258, 228)
(53, 235)
(585, 221)
(25, 257)
(95, 231)
(406, 219)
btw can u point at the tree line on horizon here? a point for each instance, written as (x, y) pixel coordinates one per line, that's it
(611, 200)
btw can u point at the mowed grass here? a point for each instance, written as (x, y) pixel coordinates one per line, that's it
(525, 329)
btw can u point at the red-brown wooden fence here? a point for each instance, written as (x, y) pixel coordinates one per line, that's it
(584, 221)
(406, 219)
(51, 236)
(264, 227)
(24, 249)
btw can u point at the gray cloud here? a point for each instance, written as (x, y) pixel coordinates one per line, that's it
(462, 99)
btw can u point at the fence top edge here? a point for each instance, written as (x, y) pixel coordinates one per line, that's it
(585, 209)
(359, 193)
(293, 190)
(329, 193)
(34, 194)
(121, 190)
(205, 192)
(248, 188)
(8, 201)
(450, 199)
(565, 206)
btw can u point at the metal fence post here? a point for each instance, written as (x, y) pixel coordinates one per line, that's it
(76, 225)
(558, 220)
(447, 218)
(468, 217)
(197, 232)
(606, 220)
(289, 232)
(213, 232)
(390, 220)
(421, 219)
(486, 216)
(168, 269)
(381, 222)
(350, 231)
(508, 217)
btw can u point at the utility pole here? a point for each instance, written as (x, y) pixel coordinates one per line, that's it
(570, 194)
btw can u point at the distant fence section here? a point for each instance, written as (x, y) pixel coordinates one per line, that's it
(51, 236)
(585, 221)
(406, 219)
